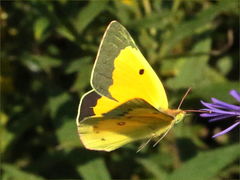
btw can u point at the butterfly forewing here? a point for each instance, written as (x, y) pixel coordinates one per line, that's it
(122, 73)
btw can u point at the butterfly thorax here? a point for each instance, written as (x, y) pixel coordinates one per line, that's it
(178, 114)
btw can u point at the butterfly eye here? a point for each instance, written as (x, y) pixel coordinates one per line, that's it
(141, 71)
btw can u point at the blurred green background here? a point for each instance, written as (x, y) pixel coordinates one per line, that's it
(47, 52)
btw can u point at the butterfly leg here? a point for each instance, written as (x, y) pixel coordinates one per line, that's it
(162, 137)
(144, 144)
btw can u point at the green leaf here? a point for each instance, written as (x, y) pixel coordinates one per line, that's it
(188, 135)
(55, 102)
(36, 63)
(12, 172)
(67, 135)
(6, 138)
(94, 170)
(6, 135)
(153, 168)
(83, 76)
(219, 90)
(40, 27)
(153, 20)
(126, 10)
(75, 66)
(65, 32)
(88, 13)
(207, 165)
(192, 71)
(225, 65)
(172, 67)
(194, 26)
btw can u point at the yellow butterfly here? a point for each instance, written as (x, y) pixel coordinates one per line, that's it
(128, 101)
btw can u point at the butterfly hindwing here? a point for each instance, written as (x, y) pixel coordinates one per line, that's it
(133, 120)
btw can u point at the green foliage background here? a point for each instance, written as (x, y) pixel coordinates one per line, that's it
(47, 52)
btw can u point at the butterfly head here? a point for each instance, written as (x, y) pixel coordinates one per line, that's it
(178, 114)
(179, 117)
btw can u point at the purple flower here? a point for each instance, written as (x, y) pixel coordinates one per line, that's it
(219, 110)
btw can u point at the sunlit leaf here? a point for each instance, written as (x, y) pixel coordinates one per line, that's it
(65, 32)
(40, 28)
(225, 65)
(55, 102)
(83, 76)
(88, 13)
(36, 63)
(6, 135)
(76, 65)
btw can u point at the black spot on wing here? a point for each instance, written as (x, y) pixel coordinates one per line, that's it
(141, 71)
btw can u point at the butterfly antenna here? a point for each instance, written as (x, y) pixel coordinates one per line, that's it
(144, 144)
(162, 137)
(198, 111)
(185, 95)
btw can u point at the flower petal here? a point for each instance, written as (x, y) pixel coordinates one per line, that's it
(216, 112)
(226, 130)
(235, 94)
(225, 116)
(212, 106)
(210, 114)
(208, 105)
(226, 105)
(225, 112)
